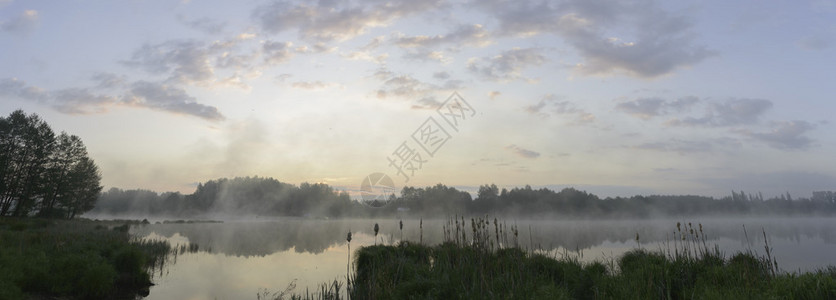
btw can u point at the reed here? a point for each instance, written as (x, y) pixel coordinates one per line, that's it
(481, 265)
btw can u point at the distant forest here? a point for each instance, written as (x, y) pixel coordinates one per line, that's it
(258, 196)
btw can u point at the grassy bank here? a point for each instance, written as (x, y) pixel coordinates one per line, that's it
(73, 259)
(451, 271)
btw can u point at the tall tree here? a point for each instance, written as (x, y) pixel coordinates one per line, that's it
(69, 152)
(40, 170)
(84, 188)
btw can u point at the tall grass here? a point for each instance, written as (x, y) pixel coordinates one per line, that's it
(487, 262)
(73, 259)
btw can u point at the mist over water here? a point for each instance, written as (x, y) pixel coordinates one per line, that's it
(237, 258)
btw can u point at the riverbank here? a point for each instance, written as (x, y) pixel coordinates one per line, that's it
(73, 259)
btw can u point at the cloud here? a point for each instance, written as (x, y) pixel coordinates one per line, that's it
(318, 47)
(494, 94)
(551, 104)
(470, 35)
(735, 113)
(335, 20)
(168, 98)
(506, 66)
(229, 60)
(787, 135)
(21, 24)
(194, 62)
(429, 103)
(728, 113)
(522, 151)
(681, 104)
(644, 108)
(365, 52)
(282, 78)
(236, 80)
(408, 87)
(373, 44)
(157, 96)
(441, 75)
(426, 55)
(14, 87)
(367, 56)
(647, 108)
(205, 25)
(187, 61)
(677, 145)
(633, 37)
(537, 108)
(108, 80)
(690, 146)
(81, 101)
(403, 86)
(312, 85)
(276, 52)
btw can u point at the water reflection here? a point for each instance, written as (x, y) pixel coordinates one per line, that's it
(237, 259)
(315, 236)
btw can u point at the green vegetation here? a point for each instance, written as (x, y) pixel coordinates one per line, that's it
(42, 173)
(77, 259)
(237, 196)
(479, 265)
(270, 197)
(449, 271)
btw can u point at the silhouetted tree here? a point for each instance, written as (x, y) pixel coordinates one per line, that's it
(43, 174)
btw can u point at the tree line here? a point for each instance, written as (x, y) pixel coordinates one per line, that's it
(43, 173)
(240, 196)
(258, 196)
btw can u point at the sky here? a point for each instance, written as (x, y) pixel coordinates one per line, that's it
(617, 98)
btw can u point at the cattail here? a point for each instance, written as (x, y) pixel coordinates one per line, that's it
(421, 227)
(496, 229)
(348, 265)
(637, 239)
(401, 223)
(464, 236)
(376, 229)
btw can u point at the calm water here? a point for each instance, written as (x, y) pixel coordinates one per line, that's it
(238, 259)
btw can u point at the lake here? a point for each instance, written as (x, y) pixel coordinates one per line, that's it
(239, 259)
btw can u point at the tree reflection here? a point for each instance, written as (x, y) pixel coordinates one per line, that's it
(316, 236)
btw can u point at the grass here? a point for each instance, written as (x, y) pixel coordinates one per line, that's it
(73, 259)
(479, 265)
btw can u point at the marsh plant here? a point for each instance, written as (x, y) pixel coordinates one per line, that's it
(421, 231)
(484, 265)
(74, 259)
(376, 230)
(348, 243)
